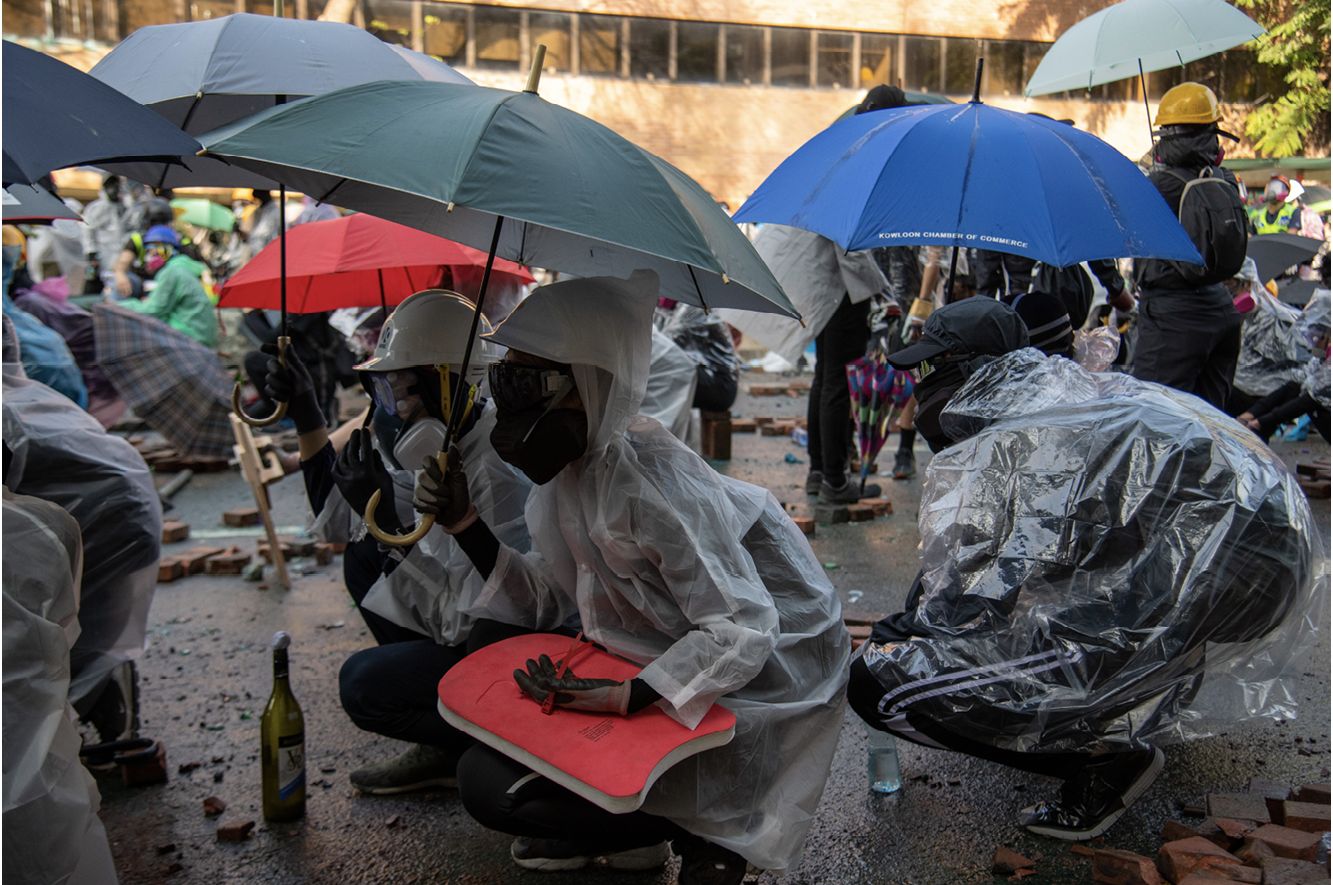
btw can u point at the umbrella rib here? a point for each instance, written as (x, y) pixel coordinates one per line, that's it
(697, 288)
(329, 192)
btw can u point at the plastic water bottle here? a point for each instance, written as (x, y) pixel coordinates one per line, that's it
(801, 437)
(882, 762)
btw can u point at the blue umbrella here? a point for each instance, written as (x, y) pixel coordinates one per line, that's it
(970, 176)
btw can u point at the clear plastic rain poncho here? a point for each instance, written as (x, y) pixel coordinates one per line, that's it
(702, 579)
(669, 399)
(52, 832)
(434, 581)
(1105, 561)
(61, 454)
(1272, 351)
(706, 339)
(1313, 326)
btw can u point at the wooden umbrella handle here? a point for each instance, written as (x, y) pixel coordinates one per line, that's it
(280, 412)
(426, 523)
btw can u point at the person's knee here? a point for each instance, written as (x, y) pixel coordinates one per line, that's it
(482, 788)
(356, 685)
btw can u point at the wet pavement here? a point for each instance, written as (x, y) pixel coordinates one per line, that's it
(206, 675)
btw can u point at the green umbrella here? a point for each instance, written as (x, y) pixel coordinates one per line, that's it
(533, 181)
(204, 213)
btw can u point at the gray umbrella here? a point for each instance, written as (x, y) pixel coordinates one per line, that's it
(207, 74)
(33, 204)
(1274, 253)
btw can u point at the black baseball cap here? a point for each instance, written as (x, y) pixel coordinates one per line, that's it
(976, 326)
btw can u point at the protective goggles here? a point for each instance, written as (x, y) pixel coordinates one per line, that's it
(926, 368)
(517, 387)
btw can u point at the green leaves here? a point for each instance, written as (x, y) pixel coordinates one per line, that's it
(1298, 41)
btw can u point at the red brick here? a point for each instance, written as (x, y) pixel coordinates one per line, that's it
(170, 568)
(1312, 793)
(883, 506)
(227, 564)
(1238, 806)
(805, 523)
(1309, 816)
(323, 554)
(1253, 852)
(174, 531)
(1235, 829)
(860, 512)
(1286, 842)
(196, 557)
(1114, 867)
(147, 768)
(744, 425)
(1283, 871)
(1178, 859)
(1249, 876)
(764, 420)
(213, 806)
(1008, 861)
(241, 516)
(236, 831)
(767, 389)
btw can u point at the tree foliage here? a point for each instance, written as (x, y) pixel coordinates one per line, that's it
(1297, 42)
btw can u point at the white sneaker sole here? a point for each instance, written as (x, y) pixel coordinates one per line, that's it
(446, 783)
(1136, 789)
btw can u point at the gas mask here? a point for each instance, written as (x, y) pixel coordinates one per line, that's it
(530, 432)
(155, 260)
(407, 429)
(936, 385)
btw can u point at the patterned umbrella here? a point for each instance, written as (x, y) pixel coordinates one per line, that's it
(172, 382)
(876, 389)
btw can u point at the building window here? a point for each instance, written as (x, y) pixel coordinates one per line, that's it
(745, 55)
(960, 66)
(921, 57)
(649, 48)
(497, 37)
(1004, 68)
(833, 59)
(696, 52)
(445, 32)
(551, 29)
(877, 60)
(206, 9)
(390, 20)
(791, 57)
(599, 44)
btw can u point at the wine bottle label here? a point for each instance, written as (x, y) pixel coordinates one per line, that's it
(291, 764)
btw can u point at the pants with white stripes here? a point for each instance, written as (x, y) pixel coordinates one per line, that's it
(864, 693)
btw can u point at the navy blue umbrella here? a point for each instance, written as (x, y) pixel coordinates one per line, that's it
(971, 176)
(57, 116)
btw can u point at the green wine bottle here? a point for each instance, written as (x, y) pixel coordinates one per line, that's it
(282, 735)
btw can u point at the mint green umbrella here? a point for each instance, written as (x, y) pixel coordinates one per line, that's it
(533, 181)
(204, 213)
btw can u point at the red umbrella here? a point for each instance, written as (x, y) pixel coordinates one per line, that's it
(356, 261)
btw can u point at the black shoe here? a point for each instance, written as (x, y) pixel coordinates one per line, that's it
(847, 493)
(703, 863)
(813, 479)
(904, 465)
(1094, 800)
(115, 715)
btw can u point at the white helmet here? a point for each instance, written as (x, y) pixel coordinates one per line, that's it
(430, 328)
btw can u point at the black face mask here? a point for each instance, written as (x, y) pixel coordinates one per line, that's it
(541, 445)
(932, 395)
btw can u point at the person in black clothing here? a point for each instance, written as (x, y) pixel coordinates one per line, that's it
(1188, 334)
(1000, 274)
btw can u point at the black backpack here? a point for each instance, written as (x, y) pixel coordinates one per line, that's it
(1213, 215)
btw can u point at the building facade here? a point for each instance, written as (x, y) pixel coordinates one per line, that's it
(724, 89)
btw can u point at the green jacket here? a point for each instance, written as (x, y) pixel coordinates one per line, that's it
(179, 300)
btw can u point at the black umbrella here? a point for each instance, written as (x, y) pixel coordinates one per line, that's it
(57, 116)
(1274, 253)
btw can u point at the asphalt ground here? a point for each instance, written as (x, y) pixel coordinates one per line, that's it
(206, 674)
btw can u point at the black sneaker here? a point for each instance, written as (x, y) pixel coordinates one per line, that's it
(813, 479)
(904, 465)
(560, 855)
(115, 714)
(1094, 800)
(847, 493)
(703, 863)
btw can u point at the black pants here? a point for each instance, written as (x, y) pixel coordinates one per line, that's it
(1189, 340)
(864, 692)
(829, 411)
(363, 563)
(1285, 404)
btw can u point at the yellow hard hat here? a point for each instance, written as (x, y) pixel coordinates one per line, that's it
(1188, 103)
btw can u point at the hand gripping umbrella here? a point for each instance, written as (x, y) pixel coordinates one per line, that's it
(513, 174)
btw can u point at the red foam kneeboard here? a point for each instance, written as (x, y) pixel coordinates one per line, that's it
(609, 760)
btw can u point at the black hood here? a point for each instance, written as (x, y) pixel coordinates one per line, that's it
(1189, 149)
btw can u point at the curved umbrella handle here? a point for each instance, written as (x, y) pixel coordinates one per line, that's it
(280, 412)
(394, 540)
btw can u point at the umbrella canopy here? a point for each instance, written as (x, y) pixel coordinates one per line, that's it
(174, 383)
(354, 261)
(1111, 44)
(1274, 253)
(451, 160)
(875, 388)
(972, 176)
(57, 116)
(204, 213)
(33, 204)
(206, 74)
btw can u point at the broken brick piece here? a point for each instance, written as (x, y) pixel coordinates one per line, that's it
(298, 546)
(170, 569)
(830, 514)
(860, 512)
(1253, 852)
(1178, 859)
(236, 831)
(1312, 793)
(1248, 876)
(1309, 816)
(196, 557)
(1082, 850)
(145, 768)
(1008, 861)
(227, 564)
(744, 425)
(767, 389)
(805, 523)
(213, 806)
(883, 506)
(174, 531)
(1238, 806)
(267, 555)
(323, 554)
(241, 516)
(1235, 829)
(1113, 867)
(1284, 871)
(1287, 842)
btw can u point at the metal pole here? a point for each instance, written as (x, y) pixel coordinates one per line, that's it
(953, 258)
(1143, 88)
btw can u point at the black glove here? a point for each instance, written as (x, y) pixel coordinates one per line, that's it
(444, 494)
(293, 385)
(359, 472)
(539, 680)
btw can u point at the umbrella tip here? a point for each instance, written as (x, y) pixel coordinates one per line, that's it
(201, 152)
(535, 73)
